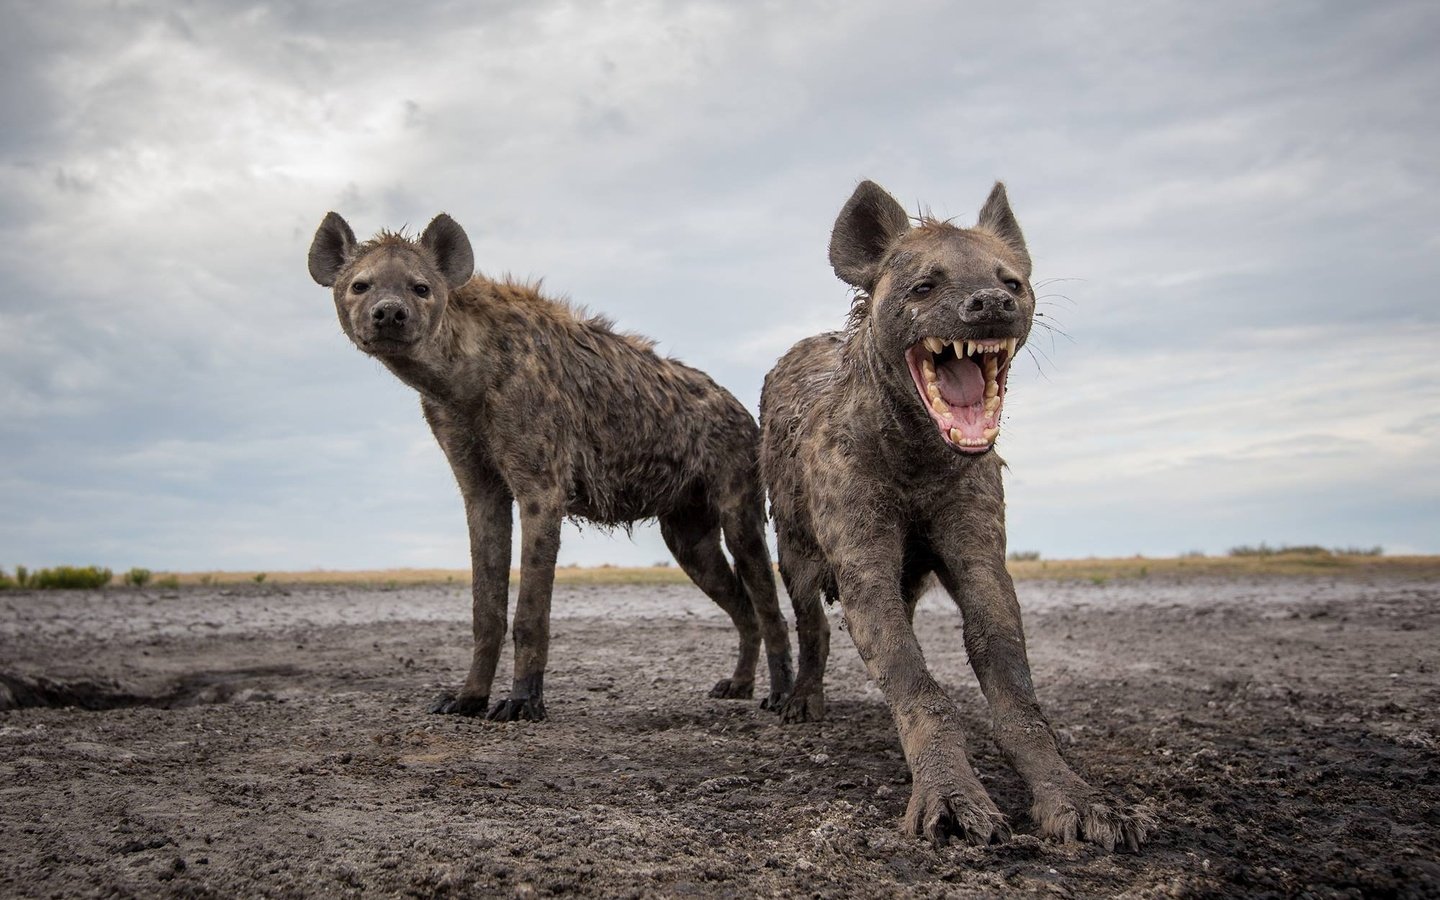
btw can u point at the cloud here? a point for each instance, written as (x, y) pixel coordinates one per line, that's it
(1243, 198)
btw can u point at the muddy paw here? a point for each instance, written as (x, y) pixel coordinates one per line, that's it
(516, 709)
(937, 811)
(808, 706)
(447, 704)
(775, 700)
(730, 689)
(1091, 816)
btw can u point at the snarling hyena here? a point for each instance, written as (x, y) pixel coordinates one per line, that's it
(537, 406)
(878, 450)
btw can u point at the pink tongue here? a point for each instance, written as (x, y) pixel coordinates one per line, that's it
(961, 383)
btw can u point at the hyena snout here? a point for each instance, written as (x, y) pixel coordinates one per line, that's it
(991, 306)
(389, 315)
(388, 320)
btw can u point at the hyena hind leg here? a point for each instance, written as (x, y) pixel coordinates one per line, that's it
(693, 536)
(803, 579)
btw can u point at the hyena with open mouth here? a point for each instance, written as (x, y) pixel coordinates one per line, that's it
(878, 450)
(535, 405)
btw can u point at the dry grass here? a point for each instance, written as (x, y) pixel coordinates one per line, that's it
(1097, 570)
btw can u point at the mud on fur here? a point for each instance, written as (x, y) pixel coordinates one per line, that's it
(537, 406)
(878, 451)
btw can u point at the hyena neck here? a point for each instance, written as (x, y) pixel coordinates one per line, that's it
(452, 366)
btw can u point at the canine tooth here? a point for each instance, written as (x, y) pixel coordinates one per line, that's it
(934, 344)
(956, 436)
(990, 433)
(1010, 345)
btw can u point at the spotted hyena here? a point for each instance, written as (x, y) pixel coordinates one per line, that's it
(879, 452)
(538, 406)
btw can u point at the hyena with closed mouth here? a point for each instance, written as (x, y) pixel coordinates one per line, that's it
(535, 405)
(878, 450)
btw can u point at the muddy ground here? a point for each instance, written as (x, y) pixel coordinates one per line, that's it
(272, 741)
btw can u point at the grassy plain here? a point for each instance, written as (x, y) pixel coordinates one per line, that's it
(1096, 570)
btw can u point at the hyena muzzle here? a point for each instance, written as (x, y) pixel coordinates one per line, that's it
(878, 450)
(538, 407)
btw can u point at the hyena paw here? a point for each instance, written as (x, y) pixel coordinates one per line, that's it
(938, 810)
(730, 689)
(1089, 815)
(804, 706)
(448, 704)
(517, 709)
(775, 700)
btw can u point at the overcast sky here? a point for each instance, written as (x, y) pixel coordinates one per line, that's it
(1232, 207)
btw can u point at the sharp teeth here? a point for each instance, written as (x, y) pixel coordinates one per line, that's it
(940, 406)
(934, 344)
(927, 368)
(1010, 345)
(956, 437)
(969, 347)
(990, 433)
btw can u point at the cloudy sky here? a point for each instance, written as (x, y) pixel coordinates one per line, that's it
(1233, 208)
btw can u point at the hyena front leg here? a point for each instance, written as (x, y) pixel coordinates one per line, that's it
(1063, 805)
(946, 797)
(488, 514)
(540, 518)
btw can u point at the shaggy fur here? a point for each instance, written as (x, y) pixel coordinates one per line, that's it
(870, 499)
(536, 405)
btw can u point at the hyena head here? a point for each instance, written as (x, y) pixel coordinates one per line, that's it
(391, 292)
(946, 307)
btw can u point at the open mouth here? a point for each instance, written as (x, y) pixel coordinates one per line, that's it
(962, 384)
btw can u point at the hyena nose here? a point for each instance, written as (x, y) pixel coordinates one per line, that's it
(389, 312)
(990, 305)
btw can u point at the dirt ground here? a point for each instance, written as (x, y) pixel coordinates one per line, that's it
(271, 741)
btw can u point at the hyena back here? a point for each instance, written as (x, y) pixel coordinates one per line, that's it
(878, 450)
(538, 407)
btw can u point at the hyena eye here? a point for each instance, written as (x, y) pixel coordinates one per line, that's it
(1013, 284)
(359, 287)
(923, 287)
(421, 290)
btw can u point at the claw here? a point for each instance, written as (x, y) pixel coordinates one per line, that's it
(448, 704)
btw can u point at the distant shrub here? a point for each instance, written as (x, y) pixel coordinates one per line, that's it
(6, 582)
(662, 563)
(259, 578)
(1359, 551)
(1193, 554)
(168, 582)
(137, 577)
(22, 576)
(1024, 555)
(1264, 549)
(73, 578)
(207, 579)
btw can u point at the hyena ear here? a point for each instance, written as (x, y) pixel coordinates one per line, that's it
(997, 219)
(869, 222)
(446, 240)
(333, 246)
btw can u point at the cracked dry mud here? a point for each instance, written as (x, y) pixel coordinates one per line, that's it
(268, 741)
